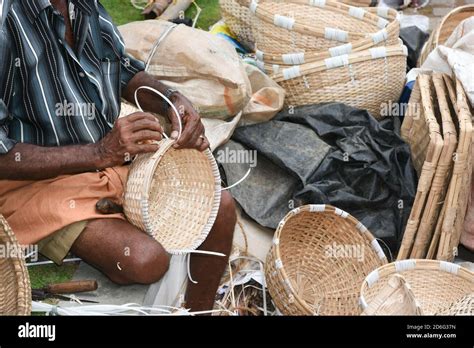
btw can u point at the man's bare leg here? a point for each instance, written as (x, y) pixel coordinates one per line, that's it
(207, 270)
(122, 252)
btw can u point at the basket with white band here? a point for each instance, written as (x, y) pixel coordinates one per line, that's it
(306, 274)
(435, 284)
(173, 195)
(367, 80)
(285, 27)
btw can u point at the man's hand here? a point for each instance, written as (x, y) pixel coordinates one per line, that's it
(130, 136)
(192, 136)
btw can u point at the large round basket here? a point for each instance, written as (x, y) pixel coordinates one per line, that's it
(435, 284)
(15, 289)
(174, 196)
(319, 257)
(444, 30)
(367, 80)
(298, 25)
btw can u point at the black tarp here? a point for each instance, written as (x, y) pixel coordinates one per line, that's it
(366, 170)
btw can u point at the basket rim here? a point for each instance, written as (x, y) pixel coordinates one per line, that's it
(153, 163)
(21, 274)
(447, 17)
(318, 209)
(401, 266)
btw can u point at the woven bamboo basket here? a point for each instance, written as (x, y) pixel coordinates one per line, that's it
(422, 133)
(459, 186)
(15, 288)
(438, 189)
(435, 284)
(240, 21)
(366, 80)
(464, 307)
(174, 195)
(395, 298)
(284, 27)
(306, 271)
(444, 30)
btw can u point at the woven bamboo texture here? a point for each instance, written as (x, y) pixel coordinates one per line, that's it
(305, 273)
(459, 186)
(15, 288)
(462, 307)
(366, 80)
(396, 298)
(360, 3)
(422, 133)
(174, 196)
(435, 284)
(294, 27)
(444, 30)
(240, 21)
(445, 111)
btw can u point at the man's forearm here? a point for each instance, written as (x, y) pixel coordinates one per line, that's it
(31, 162)
(148, 100)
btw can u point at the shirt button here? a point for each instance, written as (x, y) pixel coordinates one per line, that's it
(81, 74)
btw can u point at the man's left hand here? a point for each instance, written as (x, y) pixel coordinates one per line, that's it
(192, 136)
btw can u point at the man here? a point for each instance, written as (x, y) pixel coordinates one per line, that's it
(59, 155)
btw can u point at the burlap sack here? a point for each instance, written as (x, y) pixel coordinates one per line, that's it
(203, 67)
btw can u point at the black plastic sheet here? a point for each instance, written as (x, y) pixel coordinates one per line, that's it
(366, 170)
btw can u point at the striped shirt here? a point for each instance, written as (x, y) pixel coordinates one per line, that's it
(52, 94)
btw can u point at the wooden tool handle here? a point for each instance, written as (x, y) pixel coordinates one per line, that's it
(72, 287)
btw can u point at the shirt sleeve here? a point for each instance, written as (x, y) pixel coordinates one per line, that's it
(6, 87)
(130, 66)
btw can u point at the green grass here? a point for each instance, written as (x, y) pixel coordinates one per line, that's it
(123, 12)
(41, 276)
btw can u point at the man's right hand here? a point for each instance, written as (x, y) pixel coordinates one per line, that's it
(130, 136)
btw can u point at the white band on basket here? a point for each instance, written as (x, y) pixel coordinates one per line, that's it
(341, 213)
(380, 36)
(356, 12)
(178, 117)
(382, 12)
(284, 22)
(318, 3)
(317, 208)
(336, 34)
(253, 6)
(278, 264)
(360, 226)
(291, 73)
(276, 241)
(260, 65)
(276, 68)
(259, 54)
(449, 267)
(293, 58)
(382, 23)
(372, 278)
(378, 249)
(378, 52)
(340, 50)
(405, 265)
(336, 62)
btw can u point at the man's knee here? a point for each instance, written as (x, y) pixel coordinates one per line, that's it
(147, 266)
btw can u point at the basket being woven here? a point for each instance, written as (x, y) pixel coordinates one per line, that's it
(15, 289)
(444, 30)
(367, 80)
(435, 284)
(240, 21)
(319, 257)
(174, 196)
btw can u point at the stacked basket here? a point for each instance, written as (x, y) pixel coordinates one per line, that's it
(438, 128)
(326, 51)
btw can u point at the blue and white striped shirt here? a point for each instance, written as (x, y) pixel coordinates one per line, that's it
(52, 94)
